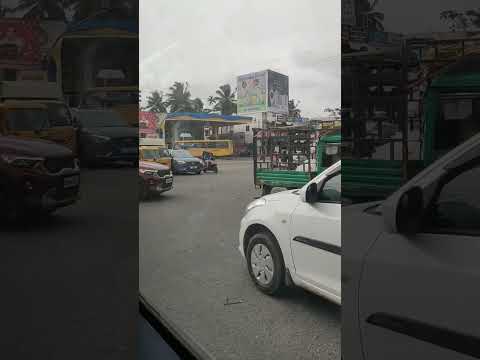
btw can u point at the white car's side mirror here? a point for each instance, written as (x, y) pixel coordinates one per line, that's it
(309, 194)
(403, 212)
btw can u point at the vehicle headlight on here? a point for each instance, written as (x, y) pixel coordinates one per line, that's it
(24, 162)
(255, 203)
(100, 138)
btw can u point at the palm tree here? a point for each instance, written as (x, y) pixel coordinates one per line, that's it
(224, 101)
(474, 16)
(51, 9)
(469, 19)
(454, 19)
(155, 102)
(197, 105)
(178, 99)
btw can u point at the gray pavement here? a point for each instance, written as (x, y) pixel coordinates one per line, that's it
(69, 282)
(190, 265)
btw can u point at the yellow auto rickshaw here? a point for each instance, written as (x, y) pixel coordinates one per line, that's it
(154, 150)
(35, 109)
(30, 120)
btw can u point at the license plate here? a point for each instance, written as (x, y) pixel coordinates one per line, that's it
(129, 150)
(168, 180)
(71, 181)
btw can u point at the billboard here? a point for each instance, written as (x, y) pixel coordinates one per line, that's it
(20, 42)
(148, 124)
(252, 92)
(277, 92)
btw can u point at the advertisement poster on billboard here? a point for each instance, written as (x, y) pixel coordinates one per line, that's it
(252, 92)
(148, 124)
(20, 42)
(277, 92)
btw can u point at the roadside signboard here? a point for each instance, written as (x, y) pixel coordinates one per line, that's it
(20, 42)
(148, 124)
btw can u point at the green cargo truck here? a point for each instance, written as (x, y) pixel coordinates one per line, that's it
(450, 115)
(289, 158)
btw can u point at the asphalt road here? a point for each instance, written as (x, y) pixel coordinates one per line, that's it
(190, 269)
(68, 283)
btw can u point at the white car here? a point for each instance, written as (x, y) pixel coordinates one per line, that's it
(411, 266)
(295, 237)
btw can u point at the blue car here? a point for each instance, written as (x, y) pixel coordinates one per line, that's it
(185, 163)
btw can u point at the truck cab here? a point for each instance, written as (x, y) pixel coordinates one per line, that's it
(291, 157)
(449, 108)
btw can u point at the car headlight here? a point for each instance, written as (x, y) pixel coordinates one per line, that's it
(147, 172)
(180, 161)
(100, 138)
(255, 203)
(24, 162)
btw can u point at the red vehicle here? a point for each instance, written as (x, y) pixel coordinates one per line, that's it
(154, 178)
(36, 176)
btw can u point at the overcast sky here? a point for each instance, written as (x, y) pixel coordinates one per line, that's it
(210, 43)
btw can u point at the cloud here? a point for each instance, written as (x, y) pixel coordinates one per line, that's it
(216, 42)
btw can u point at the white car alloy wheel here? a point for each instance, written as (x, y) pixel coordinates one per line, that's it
(265, 263)
(262, 264)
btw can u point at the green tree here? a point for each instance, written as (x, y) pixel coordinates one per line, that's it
(474, 17)
(454, 19)
(51, 9)
(334, 112)
(461, 20)
(197, 105)
(224, 101)
(179, 98)
(155, 102)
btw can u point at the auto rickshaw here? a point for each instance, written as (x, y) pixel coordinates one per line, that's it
(154, 150)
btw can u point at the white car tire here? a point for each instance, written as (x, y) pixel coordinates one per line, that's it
(265, 263)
